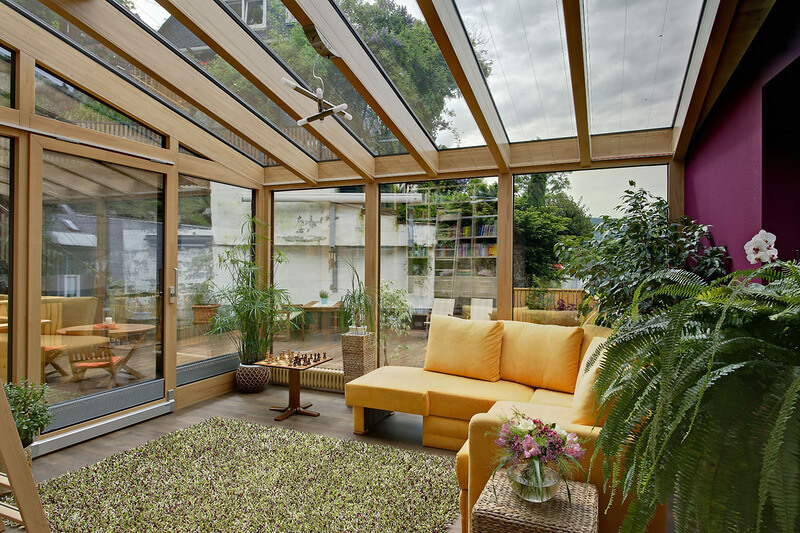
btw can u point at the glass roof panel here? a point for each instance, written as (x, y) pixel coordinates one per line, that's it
(101, 53)
(159, 20)
(523, 45)
(398, 36)
(637, 55)
(5, 77)
(274, 26)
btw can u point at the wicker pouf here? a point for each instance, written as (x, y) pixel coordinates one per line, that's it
(358, 355)
(508, 513)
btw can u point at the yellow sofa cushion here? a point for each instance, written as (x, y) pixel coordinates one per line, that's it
(461, 398)
(551, 397)
(464, 347)
(391, 388)
(541, 356)
(584, 406)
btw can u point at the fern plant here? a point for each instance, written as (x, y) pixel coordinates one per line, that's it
(702, 402)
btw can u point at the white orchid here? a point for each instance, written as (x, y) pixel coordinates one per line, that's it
(761, 248)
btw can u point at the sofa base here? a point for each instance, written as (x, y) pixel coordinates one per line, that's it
(364, 418)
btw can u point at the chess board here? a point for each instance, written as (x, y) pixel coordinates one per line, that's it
(295, 359)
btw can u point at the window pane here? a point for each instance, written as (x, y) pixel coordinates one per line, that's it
(321, 233)
(438, 255)
(101, 275)
(5, 256)
(59, 100)
(548, 207)
(211, 218)
(6, 79)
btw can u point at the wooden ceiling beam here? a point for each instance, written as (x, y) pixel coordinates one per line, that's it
(62, 59)
(573, 22)
(106, 23)
(715, 22)
(454, 42)
(358, 66)
(231, 41)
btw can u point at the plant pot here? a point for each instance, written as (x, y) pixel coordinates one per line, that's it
(357, 330)
(322, 300)
(252, 378)
(528, 489)
(203, 314)
(358, 355)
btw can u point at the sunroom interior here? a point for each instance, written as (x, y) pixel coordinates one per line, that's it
(138, 138)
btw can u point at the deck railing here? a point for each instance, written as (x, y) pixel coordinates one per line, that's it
(550, 299)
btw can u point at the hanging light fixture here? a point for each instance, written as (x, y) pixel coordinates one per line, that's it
(324, 108)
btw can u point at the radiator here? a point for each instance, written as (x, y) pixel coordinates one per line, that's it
(313, 378)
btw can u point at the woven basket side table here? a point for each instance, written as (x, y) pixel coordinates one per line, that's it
(508, 513)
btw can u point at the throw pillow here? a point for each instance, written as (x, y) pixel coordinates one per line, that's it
(466, 348)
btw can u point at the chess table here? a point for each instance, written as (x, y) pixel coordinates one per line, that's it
(294, 407)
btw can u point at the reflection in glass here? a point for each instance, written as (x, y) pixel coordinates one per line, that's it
(6, 79)
(439, 254)
(637, 55)
(101, 302)
(321, 233)
(524, 44)
(51, 19)
(211, 218)
(60, 100)
(5, 256)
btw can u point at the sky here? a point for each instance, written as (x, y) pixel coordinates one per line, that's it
(600, 189)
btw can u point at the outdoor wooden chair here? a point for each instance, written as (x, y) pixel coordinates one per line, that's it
(480, 309)
(441, 307)
(100, 357)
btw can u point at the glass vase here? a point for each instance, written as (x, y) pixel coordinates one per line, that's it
(527, 488)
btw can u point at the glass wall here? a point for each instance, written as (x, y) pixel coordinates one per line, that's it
(6, 79)
(59, 100)
(548, 207)
(438, 256)
(102, 255)
(212, 217)
(5, 256)
(321, 234)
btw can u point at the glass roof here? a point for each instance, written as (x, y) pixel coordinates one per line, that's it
(158, 19)
(523, 46)
(100, 52)
(400, 40)
(272, 24)
(637, 55)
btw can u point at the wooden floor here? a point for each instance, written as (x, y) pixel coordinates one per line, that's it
(401, 430)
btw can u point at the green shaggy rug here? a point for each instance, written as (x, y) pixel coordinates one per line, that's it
(228, 475)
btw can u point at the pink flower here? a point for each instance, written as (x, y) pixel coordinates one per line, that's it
(530, 448)
(500, 442)
(572, 447)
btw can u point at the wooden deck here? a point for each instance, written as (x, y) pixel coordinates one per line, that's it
(401, 430)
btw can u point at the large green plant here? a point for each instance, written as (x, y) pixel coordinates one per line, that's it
(395, 316)
(29, 408)
(624, 252)
(702, 402)
(253, 309)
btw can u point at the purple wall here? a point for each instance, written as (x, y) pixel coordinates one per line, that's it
(725, 180)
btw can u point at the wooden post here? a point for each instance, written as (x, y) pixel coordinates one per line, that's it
(505, 245)
(372, 249)
(169, 331)
(675, 189)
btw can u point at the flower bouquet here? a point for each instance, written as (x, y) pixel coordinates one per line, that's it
(537, 456)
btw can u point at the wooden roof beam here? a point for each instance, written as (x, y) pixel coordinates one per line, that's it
(454, 43)
(110, 26)
(91, 77)
(358, 66)
(246, 54)
(715, 21)
(573, 22)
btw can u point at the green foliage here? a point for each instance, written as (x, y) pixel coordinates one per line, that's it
(357, 304)
(543, 213)
(626, 251)
(253, 310)
(203, 294)
(702, 402)
(323, 293)
(395, 315)
(29, 408)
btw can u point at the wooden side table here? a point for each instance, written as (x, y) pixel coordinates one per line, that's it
(508, 513)
(294, 407)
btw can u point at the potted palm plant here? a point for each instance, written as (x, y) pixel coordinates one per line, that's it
(253, 310)
(358, 328)
(204, 305)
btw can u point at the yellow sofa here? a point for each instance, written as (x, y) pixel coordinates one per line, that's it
(478, 372)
